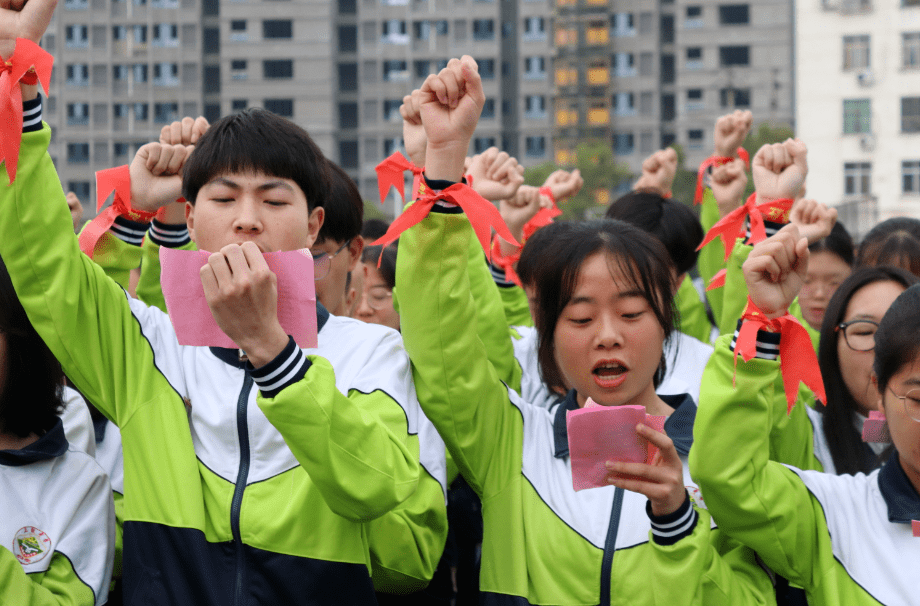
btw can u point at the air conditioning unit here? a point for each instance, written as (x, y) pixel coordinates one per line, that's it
(865, 78)
(867, 143)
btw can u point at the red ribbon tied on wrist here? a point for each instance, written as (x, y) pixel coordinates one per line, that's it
(482, 214)
(30, 64)
(116, 179)
(506, 262)
(543, 217)
(731, 226)
(798, 362)
(390, 174)
(716, 161)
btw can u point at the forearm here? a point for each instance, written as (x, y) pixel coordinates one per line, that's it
(171, 235)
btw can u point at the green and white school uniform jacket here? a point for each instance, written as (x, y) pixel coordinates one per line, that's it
(242, 485)
(844, 539)
(57, 525)
(543, 542)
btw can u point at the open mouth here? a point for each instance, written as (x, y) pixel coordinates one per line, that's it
(609, 373)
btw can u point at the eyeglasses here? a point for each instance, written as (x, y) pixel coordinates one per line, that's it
(322, 261)
(911, 401)
(859, 334)
(378, 297)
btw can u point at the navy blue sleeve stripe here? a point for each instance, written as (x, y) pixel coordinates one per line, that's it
(498, 274)
(767, 343)
(287, 368)
(170, 236)
(669, 529)
(129, 231)
(32, 115)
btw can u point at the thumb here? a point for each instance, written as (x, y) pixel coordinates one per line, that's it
(472, 80)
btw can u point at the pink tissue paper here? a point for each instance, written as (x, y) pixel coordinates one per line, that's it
(192, 319)
(875, 428)
(915, 525)
(598, 434)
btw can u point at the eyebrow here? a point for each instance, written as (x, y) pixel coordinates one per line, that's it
(263, 187)
(912, 381)
(868, 317)
(623, 295)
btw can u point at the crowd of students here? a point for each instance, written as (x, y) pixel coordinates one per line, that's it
(419, 454)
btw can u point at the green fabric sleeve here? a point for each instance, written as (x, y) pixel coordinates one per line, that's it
(757, 501)
(712, 256)
(119, 533)
(517, 310)
(346, 445)
(148, 286)
(59, 585)
(692, 310)
(457, 387)
(116, 257)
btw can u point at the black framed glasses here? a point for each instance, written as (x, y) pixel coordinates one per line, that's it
(322, 261)
(911, 401)
(859, 334)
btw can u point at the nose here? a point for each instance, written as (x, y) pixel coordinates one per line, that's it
(609, 334)
(363, 310)
(249, 217)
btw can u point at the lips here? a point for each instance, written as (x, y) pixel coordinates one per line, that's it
(609, 374)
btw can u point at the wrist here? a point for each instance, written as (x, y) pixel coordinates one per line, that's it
(671, 526)
(444, 161)
(265, 347)
(29, 91)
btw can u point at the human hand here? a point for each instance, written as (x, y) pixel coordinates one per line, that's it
(185, 132)
(727, 183)
(23, 19)
(775, 271)
(76, 210)
(414, 136)
(242, 293)
(662, 481)
(814, 219)
(658, 171)
(517, 210)
(156, 175)
(451, 102)
(779, 170)
(564, 184)
(730, 131)
(496, 175)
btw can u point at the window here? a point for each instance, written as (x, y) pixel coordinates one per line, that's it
(856, 54)
(164, 3)
(481, 144)
(486, 68)
(440, 27)
(911, 50)
(623, 25)
(534, 28)
(535, 147)
(857, 116)
(164, 113)
(348, 154)
(483, 29)
(694, 58)
(77, 114)
(78, 74)
(238, 31)
(398, 71)
(142, 112)
(694, 17)
(166, 35)
(77, 36)
(422, 69)
(238, 69)
(391, 110)
(239, 105)
(695, 99)
(76, 5)
(348, 38)
(695, 138)
(535, 68)
(535, 107)
(392, 145)
(211, 40)
(624, 65)
(734, 14)
(857, 178)
(121, 149)
(395, 32)
(120, 110)
(119, 32)
(278, 69)
(624, 144)
(646, 99)
(730, 98)
(166, 74)
(624, 104)
(734, 55)
(140, 34)
(81, 188)
(78, 153)
(348, 115)
(282, 107)
(910, 114)
(910, 177)
(422, 30)
(348, 78)
(277, 29)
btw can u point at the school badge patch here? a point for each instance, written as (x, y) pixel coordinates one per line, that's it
(697, 497)
(31, 545)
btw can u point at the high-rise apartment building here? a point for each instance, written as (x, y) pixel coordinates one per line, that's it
(858, 106)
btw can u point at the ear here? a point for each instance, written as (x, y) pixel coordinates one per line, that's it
(678, 280)
(190, 219)
(314, 223)
(354, 251)
(880, 402)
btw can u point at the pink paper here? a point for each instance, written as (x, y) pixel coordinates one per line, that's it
(875, 428)
(598, 434)
(915, 525)
(192, 319)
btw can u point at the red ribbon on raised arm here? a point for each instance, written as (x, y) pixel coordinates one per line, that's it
(30, 64)
(506, 262)
(798, 362)
(716, 161)
(718, 280)
(731, 226)
(390, 174)
(482, 214)
(116, 179)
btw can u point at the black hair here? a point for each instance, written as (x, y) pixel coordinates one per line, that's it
(845, 443)
(344, 208)
(896, 342)
(674, 224)
(256, 140)
(838, 243)
(543, 243)
(894, 242)
(387, 262)
(31, 399)
(566, 245)
(374, 229)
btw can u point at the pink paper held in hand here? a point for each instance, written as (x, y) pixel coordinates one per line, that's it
(598, 434)
(875, 428)
(192, 319)
(915, 525)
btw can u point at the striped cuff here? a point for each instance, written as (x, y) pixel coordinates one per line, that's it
(498, 274)
(170, 236)
(669, 529)
(767, 343)
(287, 368)
(442, 206)
(129, 231)
(769, 226)
(32, 115)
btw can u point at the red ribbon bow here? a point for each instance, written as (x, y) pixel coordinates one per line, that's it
(390, 174)
(716, 161)
(731, 226)
(798, 362)
(28, 56)
(116, 179)
(482, 214)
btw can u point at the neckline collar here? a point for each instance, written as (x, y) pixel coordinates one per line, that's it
(52, 444)
(899, 494)
(232, 356)
(678, 426)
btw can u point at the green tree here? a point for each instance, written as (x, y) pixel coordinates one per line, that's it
(600, 171)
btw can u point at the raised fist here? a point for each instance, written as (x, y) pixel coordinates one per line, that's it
(185, 132)
(413, 131)
(658, 171)
(814, 219)
(564, 184)
(727, 183)
(780, 170)
(496, 175)
(730, 131)
(156, 175)
(775, 271)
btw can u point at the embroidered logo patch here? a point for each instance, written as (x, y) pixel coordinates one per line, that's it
(697, 497)
(30, 545)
